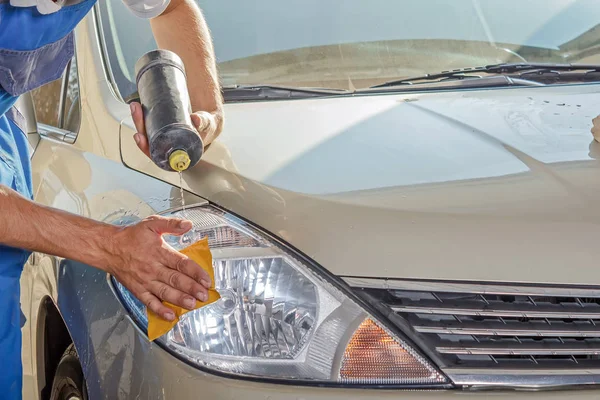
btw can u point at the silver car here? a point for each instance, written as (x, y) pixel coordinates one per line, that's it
(376, 232)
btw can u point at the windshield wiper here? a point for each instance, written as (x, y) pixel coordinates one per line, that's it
(525, 72)
(271, 92)
(233, 93)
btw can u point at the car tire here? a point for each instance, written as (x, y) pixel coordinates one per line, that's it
(69, 382)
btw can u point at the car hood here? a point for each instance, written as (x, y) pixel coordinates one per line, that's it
(493, 185)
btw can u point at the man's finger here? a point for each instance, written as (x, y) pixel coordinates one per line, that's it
(167, 293)
(183, 283)
(201, 120)
(172, 226)
(142, 143)
(156, 306)
(204, 122)
(138, 117)
(194, 271)
(138, 120)
(188, 267)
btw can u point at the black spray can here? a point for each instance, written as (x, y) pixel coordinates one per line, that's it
(175, 145)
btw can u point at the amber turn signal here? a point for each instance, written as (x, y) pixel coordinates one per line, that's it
(373, 356)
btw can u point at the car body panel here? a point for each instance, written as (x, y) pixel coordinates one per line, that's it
(331, 178)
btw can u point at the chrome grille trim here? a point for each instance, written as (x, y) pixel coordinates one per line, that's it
(501, 379)
(475, 288)
(488, 335)
(506, 329)
(532, 349)
(465, 308)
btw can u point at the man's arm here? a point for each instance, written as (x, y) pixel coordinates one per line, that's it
(181, 28)
(136, 255)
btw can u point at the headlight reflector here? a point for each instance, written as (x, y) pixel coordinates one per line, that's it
(267, 309)
(278, 318)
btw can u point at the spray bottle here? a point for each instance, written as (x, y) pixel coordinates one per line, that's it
(175, 145)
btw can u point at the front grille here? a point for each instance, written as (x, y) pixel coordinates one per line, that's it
(482, 327)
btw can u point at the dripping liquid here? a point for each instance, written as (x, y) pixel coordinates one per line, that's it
(191, 236)
(181, 194)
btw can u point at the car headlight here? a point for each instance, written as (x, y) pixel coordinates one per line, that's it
(279, 318)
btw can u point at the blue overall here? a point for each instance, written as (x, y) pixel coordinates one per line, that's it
(34, 50)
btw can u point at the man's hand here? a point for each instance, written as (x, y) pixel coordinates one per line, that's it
(152, 270)
(596, 128)
(208, 126)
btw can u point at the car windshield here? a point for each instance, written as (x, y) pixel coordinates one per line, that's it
(355, 44)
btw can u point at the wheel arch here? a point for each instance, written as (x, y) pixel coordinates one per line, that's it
(53, 338)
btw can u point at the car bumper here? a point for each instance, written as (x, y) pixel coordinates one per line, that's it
(138, 369)
(119, 362)
(152, 372)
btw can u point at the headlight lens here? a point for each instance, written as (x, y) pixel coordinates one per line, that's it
(278, 318)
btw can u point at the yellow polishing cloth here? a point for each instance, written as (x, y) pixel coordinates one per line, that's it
(200, 253)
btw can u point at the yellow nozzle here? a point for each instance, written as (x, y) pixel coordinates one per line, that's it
(179, 160)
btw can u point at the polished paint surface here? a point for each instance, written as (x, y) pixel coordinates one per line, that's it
(478, 185)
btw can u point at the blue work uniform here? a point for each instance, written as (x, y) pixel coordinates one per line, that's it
(34, 50)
